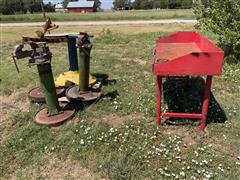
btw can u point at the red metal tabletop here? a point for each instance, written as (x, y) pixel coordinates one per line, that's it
(187, 53)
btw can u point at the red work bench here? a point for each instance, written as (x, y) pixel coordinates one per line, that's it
(186, 54)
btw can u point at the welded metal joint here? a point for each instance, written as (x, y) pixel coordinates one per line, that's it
(83, 40)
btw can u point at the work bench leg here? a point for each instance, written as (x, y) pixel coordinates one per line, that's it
(206, 99)
(186, 83)
(158, 99)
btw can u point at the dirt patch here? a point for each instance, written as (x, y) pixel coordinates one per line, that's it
(111, 119)
(115, 120)
(146, 73)
(9, 103)
(140, 61)
(117, 66)
(187, 136)
(60, 169)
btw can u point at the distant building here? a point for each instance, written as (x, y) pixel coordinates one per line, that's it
(59, 8)
(81, 6)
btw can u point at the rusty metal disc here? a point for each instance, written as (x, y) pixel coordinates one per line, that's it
(66, 113)
(72, 93)
(37, 94)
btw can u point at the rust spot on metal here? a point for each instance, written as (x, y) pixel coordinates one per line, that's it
(66, 113)
(37, 94)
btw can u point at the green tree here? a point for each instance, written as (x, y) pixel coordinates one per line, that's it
(222, 17)
(143, 4)
(119, 4)
(34, 6)
(49, 7)
(97, 3)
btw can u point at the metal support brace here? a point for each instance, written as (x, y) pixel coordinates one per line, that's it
(202, 116)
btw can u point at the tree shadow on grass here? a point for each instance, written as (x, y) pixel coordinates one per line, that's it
(189, 100)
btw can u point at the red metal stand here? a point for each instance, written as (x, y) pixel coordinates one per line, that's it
(202, 116)
(158, 99)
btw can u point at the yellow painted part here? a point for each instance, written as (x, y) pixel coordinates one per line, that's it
(72, 76)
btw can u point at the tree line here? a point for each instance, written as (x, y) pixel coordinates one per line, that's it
(152, 4)
(24, 6)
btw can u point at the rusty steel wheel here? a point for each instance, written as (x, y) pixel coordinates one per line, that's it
(37, 94)
(66, 113)
(72, 93)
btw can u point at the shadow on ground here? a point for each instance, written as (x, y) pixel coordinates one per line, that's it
(189, 100)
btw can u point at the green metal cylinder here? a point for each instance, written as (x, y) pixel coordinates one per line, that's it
(84, 68)
(48, 86)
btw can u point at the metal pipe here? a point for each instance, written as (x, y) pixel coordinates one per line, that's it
(206, 99)
(72, 53)
(182, 115)
(47, 84)
(84, 67)
(158, 99)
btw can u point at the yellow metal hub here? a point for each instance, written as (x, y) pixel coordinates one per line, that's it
(71, 76)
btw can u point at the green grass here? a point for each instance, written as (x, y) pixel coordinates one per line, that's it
(134, 148)
(115, 15)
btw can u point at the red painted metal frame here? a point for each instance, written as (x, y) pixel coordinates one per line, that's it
(186, 54)
(202, 116)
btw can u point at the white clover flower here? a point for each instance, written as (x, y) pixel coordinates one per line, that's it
(52, 148)
(182, 173)
(82, 142)
(205, 161)
(166, 174)
(224, 136)
(45, 147)
(21, 139)
(192, 177)
(208, 176)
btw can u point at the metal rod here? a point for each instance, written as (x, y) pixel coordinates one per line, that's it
(72, 53)
(206, 99)
(158, 99)
(182, 115)
(84, 68)
(47, 84)
(15, 63)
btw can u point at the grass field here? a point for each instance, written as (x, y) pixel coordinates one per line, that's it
(116, 138)
(116, 15)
